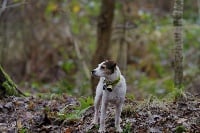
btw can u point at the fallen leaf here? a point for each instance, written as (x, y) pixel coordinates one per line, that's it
(181, 120)
(68, 130)
(9, 105)
(31, 105)
(19, 124)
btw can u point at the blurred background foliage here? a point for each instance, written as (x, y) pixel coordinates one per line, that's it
(41, 43)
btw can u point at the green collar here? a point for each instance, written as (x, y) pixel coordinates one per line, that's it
(112, 83)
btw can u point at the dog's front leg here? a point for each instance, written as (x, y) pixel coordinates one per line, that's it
(117, 117)
(103, 114)
(96, 108)
(97, 101)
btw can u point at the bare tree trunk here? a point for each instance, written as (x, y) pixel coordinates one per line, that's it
(178, 65)
(81, 60)
(7, 86)
(198, 5)
(4, 34)
(104, 29)
(3, 7)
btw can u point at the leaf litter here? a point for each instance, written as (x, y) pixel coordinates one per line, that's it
(58, 115)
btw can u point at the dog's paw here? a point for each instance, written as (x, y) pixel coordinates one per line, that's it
(101, 130)
(119, 130)
(120, 120)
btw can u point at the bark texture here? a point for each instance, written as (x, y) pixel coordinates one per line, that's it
(104, 29)
(178, 65)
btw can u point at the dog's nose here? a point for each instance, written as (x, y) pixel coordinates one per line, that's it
(93, 71)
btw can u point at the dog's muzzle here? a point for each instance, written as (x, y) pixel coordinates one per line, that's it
(93, 72)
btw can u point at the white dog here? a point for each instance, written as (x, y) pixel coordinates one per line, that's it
(111, 88)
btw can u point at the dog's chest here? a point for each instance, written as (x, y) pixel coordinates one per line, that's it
(114, 96)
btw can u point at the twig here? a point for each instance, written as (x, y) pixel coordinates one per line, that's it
(20, 92)
(78, 53)
(17, 4)
(3, 7)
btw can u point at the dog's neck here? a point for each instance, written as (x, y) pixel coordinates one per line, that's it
(114, 76)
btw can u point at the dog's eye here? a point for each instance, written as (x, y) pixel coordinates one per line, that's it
(102, 67)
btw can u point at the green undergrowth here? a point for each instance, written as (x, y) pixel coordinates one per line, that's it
(70, 112)
(127, 128)
(49, 96)
(131, 106)
(23, 130)
(175, 94)
(78, 110)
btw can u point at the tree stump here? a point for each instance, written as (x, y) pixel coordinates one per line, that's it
(7, 86)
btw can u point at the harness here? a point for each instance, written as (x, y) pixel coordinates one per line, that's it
(109, 84)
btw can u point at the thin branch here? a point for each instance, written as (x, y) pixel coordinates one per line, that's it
(84, 65)
(17, 4)
(3, 7)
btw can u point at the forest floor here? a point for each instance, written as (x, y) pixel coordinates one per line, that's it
(31, 114)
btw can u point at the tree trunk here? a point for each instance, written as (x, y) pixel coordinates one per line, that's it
(7, 86)
(198, 5)
(104, 29)
(178, 62)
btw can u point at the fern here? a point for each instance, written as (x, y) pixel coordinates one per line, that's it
(85, 103)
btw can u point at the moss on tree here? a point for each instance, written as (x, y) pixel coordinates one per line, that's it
(7, 86)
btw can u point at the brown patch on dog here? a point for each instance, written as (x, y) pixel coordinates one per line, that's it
(110, 66)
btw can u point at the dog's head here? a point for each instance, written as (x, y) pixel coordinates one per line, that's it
(105, 68)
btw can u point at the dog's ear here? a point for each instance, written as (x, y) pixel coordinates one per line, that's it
(111, 65)
(114, 64)
(106, 60)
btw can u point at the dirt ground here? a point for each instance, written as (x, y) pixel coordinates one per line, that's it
(19, 114)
